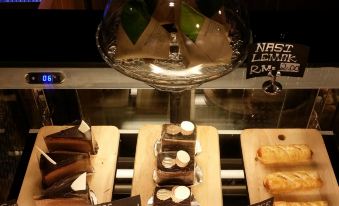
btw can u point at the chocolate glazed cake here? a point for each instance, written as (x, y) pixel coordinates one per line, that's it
(174, 138)
(63, 188)
(172, 171)
(68, 164)
(72, 139)
(63, 192)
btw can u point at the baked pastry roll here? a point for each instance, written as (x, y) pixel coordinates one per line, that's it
(284, 154)
(284, 182)
(315, 203)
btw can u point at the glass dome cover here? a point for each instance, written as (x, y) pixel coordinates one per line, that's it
(173, 44)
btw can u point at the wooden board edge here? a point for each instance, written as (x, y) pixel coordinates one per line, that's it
(113, 160)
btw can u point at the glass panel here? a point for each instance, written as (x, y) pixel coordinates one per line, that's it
(223, 109)
(241, 109)
(126, 109)
(13, 132)
(130, 109)
(326, 109)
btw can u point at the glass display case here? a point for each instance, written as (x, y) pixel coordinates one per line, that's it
(93, 92)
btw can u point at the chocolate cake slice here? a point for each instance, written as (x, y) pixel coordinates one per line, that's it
(175, 168)
(71, 139)
(175, 138)
(68, 187)
(69, 191)
(68, 164)
(172, 196)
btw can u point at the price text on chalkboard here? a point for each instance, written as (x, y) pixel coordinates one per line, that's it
(289, 59)
(132, 201)
(268, 202)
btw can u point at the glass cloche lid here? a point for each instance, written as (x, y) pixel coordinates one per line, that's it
(173, 45)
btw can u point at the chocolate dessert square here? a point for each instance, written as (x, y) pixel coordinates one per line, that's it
(69, 191)
(71, 139)
(173, 138)
(67, 188)
(68, 164)
(164, 196)
(171, 171)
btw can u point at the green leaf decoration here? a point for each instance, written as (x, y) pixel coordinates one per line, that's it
(209, 7)
(135, 18)
(191, 21)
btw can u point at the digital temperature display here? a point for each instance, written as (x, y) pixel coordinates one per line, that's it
(44, 78)
(47, 79)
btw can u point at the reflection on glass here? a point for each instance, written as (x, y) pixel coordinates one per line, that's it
(173, 44)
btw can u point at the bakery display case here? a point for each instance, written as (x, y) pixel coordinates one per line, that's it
(52, 77)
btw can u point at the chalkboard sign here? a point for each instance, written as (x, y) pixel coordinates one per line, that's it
(268, 202)
(131, 201)
(288, 59)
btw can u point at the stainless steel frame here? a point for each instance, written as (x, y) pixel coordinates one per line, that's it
(106, 78)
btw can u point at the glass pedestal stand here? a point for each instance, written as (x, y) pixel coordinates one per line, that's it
(180, 106)
(174, 45)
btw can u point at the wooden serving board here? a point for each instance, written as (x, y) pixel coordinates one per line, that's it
(104, 163)
(206, 193)
(252, 139)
